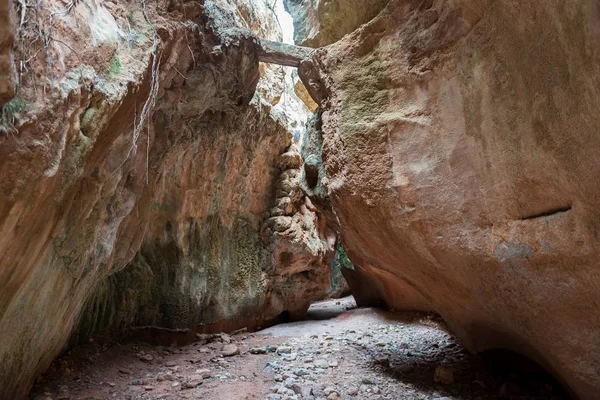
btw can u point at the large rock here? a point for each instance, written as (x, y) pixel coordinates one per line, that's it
(318, 23)
(138, 177)
(460, 146)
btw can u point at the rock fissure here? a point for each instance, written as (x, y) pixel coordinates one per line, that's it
(548, 213)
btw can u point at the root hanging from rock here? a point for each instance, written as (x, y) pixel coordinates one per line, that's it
(145, 116)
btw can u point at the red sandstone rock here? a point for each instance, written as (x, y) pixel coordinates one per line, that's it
(7, 68)
(135, 187)
(460, 145)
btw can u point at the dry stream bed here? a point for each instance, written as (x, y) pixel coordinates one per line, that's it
(342, 352)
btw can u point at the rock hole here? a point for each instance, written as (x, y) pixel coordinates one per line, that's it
(311, 175)
(284, 317)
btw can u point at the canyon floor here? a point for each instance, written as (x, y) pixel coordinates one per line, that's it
(340, 352)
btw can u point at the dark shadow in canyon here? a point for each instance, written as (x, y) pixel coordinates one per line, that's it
(493, 374)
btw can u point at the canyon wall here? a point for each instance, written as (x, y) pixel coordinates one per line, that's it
(147, 177)
(318, 23)
(460, 157)
(8, 75)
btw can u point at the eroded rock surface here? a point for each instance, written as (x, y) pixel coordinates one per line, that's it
(318, 23)
(138, 176)
(460, 154)
(8, 74)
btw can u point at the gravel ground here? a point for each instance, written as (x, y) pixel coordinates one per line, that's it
(341, 352)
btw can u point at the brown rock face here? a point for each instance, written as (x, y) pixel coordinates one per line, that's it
(318, 23)
(139, 184)
(460, 148)
(7, 68)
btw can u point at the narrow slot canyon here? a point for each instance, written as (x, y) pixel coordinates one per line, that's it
(299, 199)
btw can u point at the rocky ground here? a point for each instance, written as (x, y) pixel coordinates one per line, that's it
(341, 352)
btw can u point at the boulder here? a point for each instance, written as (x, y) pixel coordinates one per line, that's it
(460, 147)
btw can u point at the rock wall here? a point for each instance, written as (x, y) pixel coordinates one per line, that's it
(318, 23)
(460, 152)
(8, 76)
(138, 176)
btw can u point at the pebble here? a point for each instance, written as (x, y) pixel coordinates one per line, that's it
(281, 390)
(328, 390)
(367, 381)
(257, 350)
(302, 390)
(284, 350)
(194, 382)
(204, 373)
(301, 372)
(225, 338)
(353, 391)
(230, 350)
(289, 382)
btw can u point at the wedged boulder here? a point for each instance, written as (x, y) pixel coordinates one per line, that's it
(460, 146)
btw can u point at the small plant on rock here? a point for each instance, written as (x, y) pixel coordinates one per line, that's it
(10, 112)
